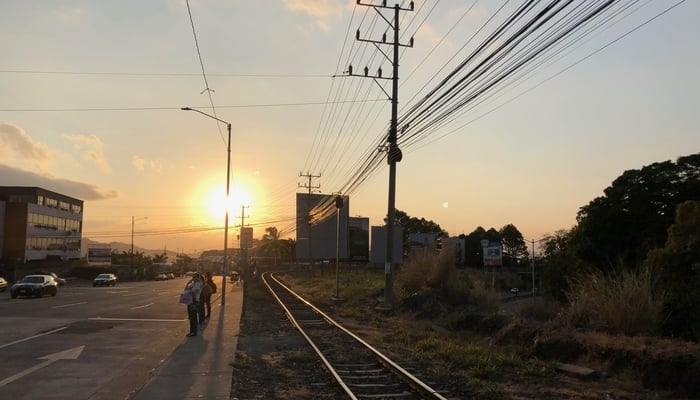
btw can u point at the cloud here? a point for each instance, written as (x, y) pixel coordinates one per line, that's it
(138, 162)
(321, 10)
(14, 142)
(70, 16)
(84, 191)
(91, 148)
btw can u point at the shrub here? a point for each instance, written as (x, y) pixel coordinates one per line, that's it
(619, 302)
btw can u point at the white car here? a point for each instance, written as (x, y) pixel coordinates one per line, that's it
(3, 284)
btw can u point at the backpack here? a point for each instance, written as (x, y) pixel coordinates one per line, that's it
(206, 290)
(212, 285)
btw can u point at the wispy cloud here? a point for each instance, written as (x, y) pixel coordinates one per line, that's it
(69, 16)
(138, 162)
(91, 148)
(323, 11)
(15, 144)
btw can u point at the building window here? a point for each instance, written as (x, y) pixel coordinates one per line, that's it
(76, 208)
(40, 200)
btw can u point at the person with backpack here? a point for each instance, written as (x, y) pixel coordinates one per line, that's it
(208, 289)
(194, 287)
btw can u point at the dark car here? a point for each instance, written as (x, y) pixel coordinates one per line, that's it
(105, 280)
(34, 286)
(3, 284)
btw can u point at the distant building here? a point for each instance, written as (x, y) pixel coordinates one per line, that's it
(322, 229)
(38, 224)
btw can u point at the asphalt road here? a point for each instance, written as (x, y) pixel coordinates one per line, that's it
(88, 342)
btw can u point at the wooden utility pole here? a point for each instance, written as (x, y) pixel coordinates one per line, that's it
(393, 152)
(310, 188)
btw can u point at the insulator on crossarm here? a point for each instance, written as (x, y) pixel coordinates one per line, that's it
(366, 71)
(350, 69)
(410, 42)
(384, 38)
(384, 3)
(410, 5)
(379, 72)
(357, 35)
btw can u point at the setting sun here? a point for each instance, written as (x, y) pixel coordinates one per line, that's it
(216, 201)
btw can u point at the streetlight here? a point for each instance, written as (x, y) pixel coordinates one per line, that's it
(228, 176)
(132, 238)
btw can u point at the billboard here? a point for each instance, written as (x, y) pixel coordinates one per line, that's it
(493, 255)
(358, 239)
(379, 242)
(318, 236)
(246, 237)
(99, 256)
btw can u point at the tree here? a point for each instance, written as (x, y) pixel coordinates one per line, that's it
(559, 262)
(619, 228)
(415, 225)
(514, 246)
(678, 266)
(272, 246)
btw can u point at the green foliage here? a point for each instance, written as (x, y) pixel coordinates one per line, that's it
(678, 264)
(559, 261)
(272, 246)
(620, 302)
(415, 225)
(632, 217)
(514, 246)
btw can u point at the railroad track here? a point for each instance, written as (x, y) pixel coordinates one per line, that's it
(361, 371)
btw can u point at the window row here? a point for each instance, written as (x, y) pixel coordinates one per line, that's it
(42, 243)
(50, 222)
(61, 205)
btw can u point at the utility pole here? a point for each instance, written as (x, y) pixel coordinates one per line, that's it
(244, 252)
(393, 152)
(310, 188)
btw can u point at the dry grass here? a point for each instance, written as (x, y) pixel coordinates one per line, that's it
(619, 303)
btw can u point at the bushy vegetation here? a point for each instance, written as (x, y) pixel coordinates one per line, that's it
(427, 279)
(621, 302)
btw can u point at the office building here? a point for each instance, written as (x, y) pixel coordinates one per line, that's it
(38, 224)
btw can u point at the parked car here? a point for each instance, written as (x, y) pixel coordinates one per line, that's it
(34, 286)
(160, 277)
(105, 280)
(3, 284)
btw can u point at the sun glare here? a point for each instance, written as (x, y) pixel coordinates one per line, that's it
(217, 205)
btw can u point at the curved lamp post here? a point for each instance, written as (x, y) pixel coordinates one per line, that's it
(228, 179)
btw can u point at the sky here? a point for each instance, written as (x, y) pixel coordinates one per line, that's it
(92, 93)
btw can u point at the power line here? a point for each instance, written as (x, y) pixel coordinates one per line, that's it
(177, 108)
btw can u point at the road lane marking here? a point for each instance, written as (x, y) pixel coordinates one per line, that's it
(137, 319)
(134, 294)
(70, 354)
(33, 337)
(144, 306)
(70, 305)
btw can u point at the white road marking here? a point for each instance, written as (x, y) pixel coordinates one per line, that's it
(137, 319)
(70, 354)
(134, 294)
(33, 337)
(70, 305)
(144, 306)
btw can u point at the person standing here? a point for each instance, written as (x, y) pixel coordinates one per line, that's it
(195, 288)
(208, 289)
